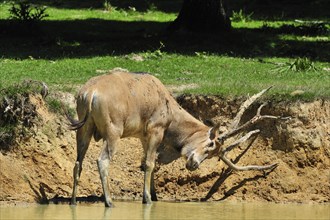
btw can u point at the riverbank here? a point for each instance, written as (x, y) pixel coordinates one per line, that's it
(40, 168)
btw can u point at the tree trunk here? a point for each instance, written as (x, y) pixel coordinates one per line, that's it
(202, 16)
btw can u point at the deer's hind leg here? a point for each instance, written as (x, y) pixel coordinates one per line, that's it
(83, 138)
(109, 146)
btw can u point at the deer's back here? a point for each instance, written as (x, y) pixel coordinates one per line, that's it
(128, 100)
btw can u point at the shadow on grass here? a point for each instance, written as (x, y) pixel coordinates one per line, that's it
(260, 9)
(97, 37)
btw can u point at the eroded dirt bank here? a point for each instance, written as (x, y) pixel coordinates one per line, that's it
(40, 168)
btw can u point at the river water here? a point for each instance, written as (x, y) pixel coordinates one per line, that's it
(169, 210)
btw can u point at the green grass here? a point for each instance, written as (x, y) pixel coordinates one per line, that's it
(74, 44)
(212, 74)
(93, 13)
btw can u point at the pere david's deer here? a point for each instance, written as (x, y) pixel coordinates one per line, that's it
(122, 104)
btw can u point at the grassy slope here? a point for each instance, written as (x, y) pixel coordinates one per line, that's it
(73, 45)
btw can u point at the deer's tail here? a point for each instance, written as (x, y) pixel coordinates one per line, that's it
(75, 124)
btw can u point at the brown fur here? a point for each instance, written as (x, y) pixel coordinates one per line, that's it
(124, 104)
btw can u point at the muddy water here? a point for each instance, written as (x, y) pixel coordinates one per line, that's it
(167, 210)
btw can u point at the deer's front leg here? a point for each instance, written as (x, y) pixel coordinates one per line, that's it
(147, 182)
(154, 140)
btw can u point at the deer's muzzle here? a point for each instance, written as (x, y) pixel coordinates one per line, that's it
(192, 164)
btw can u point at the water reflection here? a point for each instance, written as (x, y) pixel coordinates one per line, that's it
(147, 210)
(169, 210)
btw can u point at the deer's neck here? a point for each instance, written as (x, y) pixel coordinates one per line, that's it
(183, 128)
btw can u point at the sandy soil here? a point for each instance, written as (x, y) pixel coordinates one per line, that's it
(40, 169)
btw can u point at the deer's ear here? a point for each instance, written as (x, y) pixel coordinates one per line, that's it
(214, 131)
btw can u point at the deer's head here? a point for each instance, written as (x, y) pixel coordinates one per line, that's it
(202, 145)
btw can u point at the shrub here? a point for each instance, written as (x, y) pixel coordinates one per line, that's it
(17, 114)
(298, 65)
(241, 16)
(156, 54)
(26, 12)
(107, 6)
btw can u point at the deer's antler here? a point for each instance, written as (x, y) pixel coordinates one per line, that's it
(235, 128)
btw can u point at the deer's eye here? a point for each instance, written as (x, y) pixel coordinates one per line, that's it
(211, 144)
